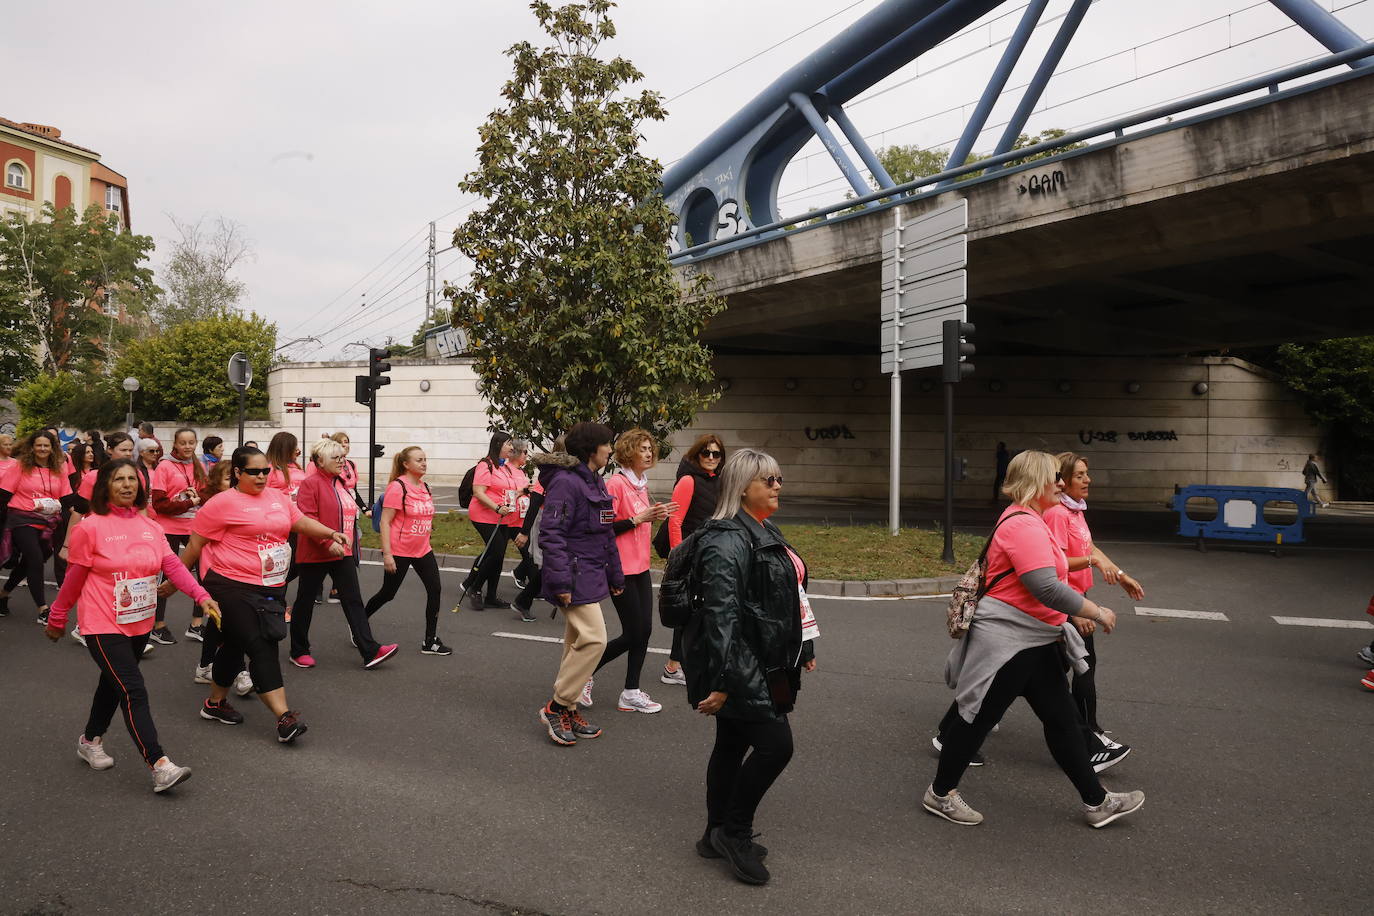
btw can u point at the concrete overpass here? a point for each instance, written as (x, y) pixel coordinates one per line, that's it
(1244, 229)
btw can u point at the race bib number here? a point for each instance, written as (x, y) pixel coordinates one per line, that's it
(135, 599)
(275, 561)
(810, 630)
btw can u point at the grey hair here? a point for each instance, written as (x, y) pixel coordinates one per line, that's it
(520, 445)
(742, 468)
(325, 449)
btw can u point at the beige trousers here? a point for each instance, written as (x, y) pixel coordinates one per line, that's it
(584, 637)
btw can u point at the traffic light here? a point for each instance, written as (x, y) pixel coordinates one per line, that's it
(362, 390)
(377, 365)
(377, 448)
(957, 348)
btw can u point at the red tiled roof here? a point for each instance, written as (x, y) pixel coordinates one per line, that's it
(29, 130)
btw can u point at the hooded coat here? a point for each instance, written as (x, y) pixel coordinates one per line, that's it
(575, 536)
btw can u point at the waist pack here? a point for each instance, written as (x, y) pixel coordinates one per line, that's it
(964, 598)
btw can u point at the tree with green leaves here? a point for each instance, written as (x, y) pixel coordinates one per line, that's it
(1334, 380)
(58, 275)
(572, 310)
(442, 316)
(909, 162)
(197, 276)
(182, 370)
(92, 402)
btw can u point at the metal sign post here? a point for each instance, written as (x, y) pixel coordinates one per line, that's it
(923, 284)
(240, 377)
(300, 406)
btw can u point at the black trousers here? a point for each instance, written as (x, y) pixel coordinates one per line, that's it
(427, 568)
(310, 579)
(241, 633)
(59, 537)
(533, 586)
(635, 608)
(176, 542)
(1038, 675)
(488, 571)
(30, 552)
(675, 653)
(1084, 688)
(121, 687)
(735, 785)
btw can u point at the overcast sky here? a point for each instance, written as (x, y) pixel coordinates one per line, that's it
(333, 132)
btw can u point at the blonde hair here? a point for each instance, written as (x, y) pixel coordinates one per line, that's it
(1027, 475)
(742, 468)
(341, 437)
(398, 463)
(324, 450)
(628, 444)
(6, 444)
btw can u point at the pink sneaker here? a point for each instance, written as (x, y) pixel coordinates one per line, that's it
(383, 654)
(303, 661)
(1368, 681)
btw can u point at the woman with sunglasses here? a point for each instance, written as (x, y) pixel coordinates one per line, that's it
(243, 533)
(695, 495)
(34, 490)
(116, 555)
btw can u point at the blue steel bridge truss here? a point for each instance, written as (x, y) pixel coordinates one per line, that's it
(725, 191)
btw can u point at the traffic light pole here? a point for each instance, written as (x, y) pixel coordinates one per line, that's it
(372, 450)
(948, 555)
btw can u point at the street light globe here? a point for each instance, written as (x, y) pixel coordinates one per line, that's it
(131, 384)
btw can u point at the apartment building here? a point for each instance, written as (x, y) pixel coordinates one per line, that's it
(39, 167)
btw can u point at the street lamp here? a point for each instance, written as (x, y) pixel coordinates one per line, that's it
(130, 385)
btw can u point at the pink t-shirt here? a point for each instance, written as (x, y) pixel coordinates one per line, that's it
(247, 535)
(172, 478)
(1025, 543)
(86, 489)
(628, 501)
(124, 553)
(413, 521)
(1070, 530)
(350, 508)
(277, 480)
(497, 481)
(37, 491)
(518, 481)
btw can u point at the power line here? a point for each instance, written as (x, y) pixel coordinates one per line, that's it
(384, 260)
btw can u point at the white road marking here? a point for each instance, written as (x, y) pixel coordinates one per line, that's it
(1174, 612)
(530, 637)
(1323, 622)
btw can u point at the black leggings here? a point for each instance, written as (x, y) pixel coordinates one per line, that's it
(121, 687)
(735, 785)
(176, 542)
(635, 607)
(345, 576)
(427, 568)
(488, 572)
(675, 653)
(1038, 675)
(241, 633)
(31, 553)
(1085, 690)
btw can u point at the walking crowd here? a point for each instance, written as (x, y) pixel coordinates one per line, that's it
(127, 524)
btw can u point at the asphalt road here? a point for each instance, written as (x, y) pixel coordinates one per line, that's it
(426, 785)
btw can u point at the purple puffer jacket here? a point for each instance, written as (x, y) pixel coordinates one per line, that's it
(575, 537)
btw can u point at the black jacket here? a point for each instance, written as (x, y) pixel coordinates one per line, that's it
(749, 622)
(705, 489)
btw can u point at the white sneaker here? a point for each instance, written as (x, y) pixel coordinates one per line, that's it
(1115, 805)
(167, 774)
(243, 684)
(93, 752)
(203, 674)
(586, 699)
(1366, 655)
(951, 807)
(76, 634)
(149, 646)
(673, 677)
(637, 701)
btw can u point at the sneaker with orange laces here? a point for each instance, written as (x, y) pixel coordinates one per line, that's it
(581, 727)
(1368, 680)
(559, 725)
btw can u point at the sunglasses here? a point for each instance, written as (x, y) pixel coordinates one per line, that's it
(711, 453)
(1058, 478)
(256, 472)
(773, 480)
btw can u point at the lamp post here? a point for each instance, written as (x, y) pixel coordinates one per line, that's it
(130, 385)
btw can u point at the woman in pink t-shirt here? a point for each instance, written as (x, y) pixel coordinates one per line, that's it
(243, 533)
(1067, 523)
(179, 485)
(33, 490)
(487, 512)
(115, 556)
(286, 475)
(406, 522)
(636, 451)
(1013, 649)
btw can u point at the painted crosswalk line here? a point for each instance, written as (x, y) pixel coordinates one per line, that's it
(1177, 612)
(1333, 622)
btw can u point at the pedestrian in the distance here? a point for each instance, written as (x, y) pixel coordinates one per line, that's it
(282, 454)
(581, 569)
(487, 512)
(746, 647)
(33, 490)
(211, 451)
(1017, 646)
(694, 495)
(115, 556)
(178, 488)
(219, 482)
(1311, 476)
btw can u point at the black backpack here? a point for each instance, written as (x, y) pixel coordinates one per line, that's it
(678, 592)
(465, 488)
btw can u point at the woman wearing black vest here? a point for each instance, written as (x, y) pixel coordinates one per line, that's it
(695, 495)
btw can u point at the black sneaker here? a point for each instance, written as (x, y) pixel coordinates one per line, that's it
(221, 712)
(289, 727)
(472, 601)
(496, 603)
(707, 851)
(435, 647)
(581, 727)
(526, 614)
(559, 725)
(521, 582)
(196, 632)
(43, 619)
(977, 760)
(1105, 757)
(4, 605)
(739, 852)
(163, 637)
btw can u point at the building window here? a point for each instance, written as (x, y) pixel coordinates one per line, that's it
(16, 176)
(112, 198)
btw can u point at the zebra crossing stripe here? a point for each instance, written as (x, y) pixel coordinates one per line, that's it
(1174, 612)
(1335, 623)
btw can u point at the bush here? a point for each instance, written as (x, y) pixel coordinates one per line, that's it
(43, 399)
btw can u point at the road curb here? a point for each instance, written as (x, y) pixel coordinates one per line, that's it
(833, 588)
